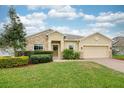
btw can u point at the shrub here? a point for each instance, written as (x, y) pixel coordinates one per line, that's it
(6, 62)
(76, 55)
(42, 52)
(70, 54)
(41, 58)
(29, 53)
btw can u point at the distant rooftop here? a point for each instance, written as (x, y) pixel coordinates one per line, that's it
(119, 41)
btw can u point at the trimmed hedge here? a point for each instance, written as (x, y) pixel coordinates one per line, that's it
(70, 54)
(29, 53)
(41, 58)
(7, 62)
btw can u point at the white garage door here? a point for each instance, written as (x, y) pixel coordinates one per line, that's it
(95, 52)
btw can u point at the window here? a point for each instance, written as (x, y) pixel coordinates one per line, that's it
(71, 47)
(38, 47)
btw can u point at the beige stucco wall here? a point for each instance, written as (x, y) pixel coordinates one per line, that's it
(98, 41)
(73, 43)
(37, 39)
(55, 36)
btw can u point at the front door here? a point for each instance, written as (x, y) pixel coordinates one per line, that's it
(55, 50)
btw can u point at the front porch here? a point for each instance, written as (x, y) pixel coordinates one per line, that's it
(56, 47)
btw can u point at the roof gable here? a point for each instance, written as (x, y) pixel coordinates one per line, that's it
(43, 32)
(54, 32)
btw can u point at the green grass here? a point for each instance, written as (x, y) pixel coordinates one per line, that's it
(62, 75)
(118, 57)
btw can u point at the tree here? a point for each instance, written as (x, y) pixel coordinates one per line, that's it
(13, 35)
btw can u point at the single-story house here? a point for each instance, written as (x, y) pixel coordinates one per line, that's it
(92, 46)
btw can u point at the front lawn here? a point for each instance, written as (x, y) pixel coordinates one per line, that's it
(121, 57)
(64, 74)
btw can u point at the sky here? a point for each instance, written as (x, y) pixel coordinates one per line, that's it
(77, 19)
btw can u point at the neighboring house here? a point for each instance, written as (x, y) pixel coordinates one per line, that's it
(118, 45)
(92, 46)
(6, 52)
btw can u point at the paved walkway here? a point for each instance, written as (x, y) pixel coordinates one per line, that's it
(111, 63)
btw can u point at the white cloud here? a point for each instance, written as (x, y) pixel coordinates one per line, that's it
(35, 7)
(119, 33)
(34, 22)
(1, 26)
(103, 28)
(82, 32)
(117, 17)
(66, 30)
(89, 31)
(87, 17)
(103, 22)
(4, 23)
(111, 17)
(59, 11)
(102, 25)
(63, 12)
(66, 11)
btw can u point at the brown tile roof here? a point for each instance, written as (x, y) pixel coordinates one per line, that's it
(69, 36)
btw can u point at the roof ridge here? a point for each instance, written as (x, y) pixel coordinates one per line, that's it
(41, 32)
(73, 34)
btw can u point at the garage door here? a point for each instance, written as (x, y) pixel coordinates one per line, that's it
(95, 52)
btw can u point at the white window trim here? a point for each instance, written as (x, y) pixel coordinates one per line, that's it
(38, 44)
(73, 47)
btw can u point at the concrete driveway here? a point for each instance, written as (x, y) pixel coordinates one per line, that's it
(111, 63)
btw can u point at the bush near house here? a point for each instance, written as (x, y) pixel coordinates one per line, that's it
(76, 55)
(41, 58)
(29, 53)
(70, 54)
(7, 62)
